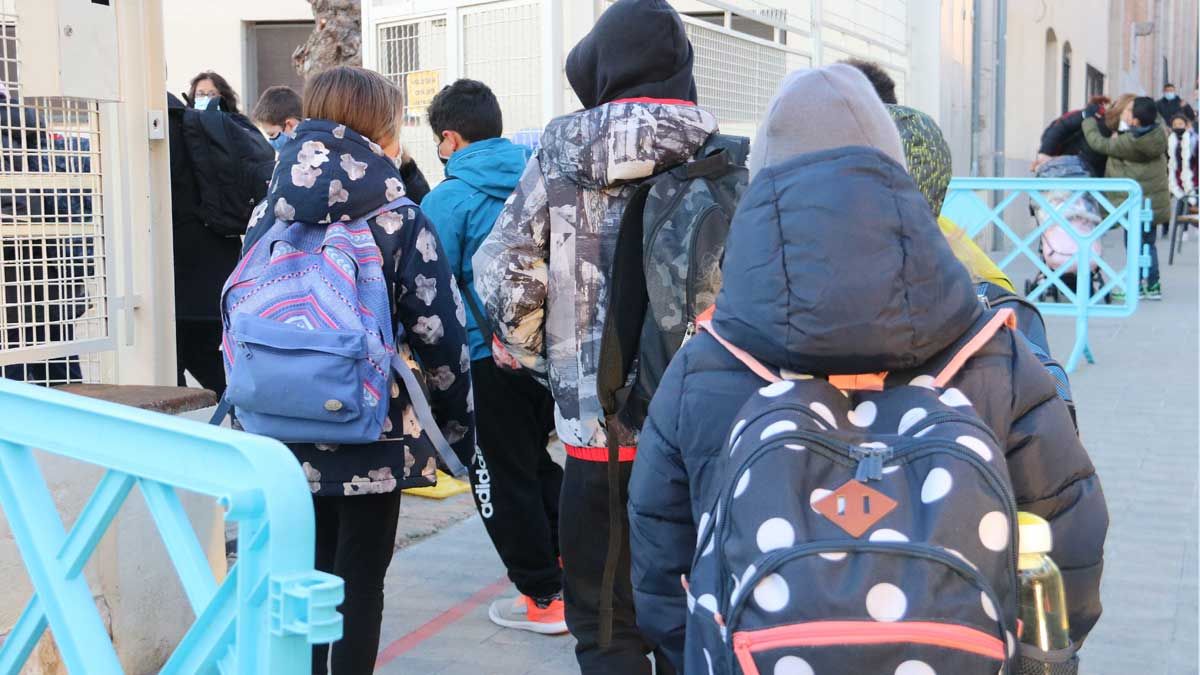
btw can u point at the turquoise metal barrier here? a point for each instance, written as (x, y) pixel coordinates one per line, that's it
(965, 206)
(271, 608)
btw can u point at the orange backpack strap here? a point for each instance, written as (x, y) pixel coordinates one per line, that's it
(704, 323)
(863, 382)
(1003, 317)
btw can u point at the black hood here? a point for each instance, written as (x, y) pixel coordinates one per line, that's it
(638, 48)
(834, 265)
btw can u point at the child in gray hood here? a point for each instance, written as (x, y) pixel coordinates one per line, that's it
(835, 265)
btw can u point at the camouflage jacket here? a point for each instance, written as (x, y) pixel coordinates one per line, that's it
(543, 271)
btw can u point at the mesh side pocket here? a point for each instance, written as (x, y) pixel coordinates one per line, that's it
(1034, 661)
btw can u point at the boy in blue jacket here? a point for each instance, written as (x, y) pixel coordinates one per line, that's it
(516, 483)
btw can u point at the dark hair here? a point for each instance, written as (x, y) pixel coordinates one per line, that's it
(468, 107)
(1144, 110)
(277, 105)
(884, 85)
(1181, 116)
(1168, 85)
(229, 98)
(1100, 100)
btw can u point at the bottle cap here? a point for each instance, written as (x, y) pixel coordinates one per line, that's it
(1033, 534)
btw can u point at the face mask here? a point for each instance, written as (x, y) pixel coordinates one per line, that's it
(1123, 126)
(202, 102)
(443, 160)
(1170, 96)
(1179, 132)
(281, 139)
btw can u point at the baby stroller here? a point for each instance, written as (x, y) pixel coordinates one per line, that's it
(1057, 247)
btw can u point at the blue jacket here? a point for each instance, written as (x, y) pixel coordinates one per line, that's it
(463, 208)
(834, 265)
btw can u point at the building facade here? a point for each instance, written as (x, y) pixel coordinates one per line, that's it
(248, 43)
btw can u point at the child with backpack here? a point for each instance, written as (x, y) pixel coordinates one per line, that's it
(543, 276)
(515, 482)
(338, 261)
(829, 291)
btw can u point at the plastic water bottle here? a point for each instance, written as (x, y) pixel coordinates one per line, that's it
(1043, 605)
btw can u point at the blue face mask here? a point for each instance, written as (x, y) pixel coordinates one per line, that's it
(1170, 96)
(281, 139)
(201, 102)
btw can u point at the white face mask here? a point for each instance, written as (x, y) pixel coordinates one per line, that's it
(201, 102)
(1123, 126)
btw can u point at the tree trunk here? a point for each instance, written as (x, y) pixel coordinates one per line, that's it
(336, 39)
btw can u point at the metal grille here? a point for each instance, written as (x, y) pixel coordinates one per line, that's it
(52, 236)
(736, 76)
(415, 47)
(502, 47)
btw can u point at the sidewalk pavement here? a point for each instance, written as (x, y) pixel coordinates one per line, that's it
(1137, 411)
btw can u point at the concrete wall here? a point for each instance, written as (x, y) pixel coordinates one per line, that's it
(1034, 72)
(212, 35)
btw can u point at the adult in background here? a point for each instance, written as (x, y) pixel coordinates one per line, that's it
(1064, 136)
(1170, 105)
(220, 166)
(1139, 152)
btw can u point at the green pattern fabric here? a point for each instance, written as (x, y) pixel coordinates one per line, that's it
(926, 152)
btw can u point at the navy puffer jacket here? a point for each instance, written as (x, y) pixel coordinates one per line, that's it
(834, 265)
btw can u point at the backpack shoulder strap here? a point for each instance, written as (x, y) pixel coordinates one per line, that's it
(1002, 317)
(704, 323)
(416, 396)
(869, 381)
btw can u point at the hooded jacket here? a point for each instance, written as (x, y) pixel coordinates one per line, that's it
(464, 207)
(331, 173)
(543, 272)
(1140, 154)
(927, 155)
(834, 265)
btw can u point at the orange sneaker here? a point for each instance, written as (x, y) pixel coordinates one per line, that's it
(523, 613)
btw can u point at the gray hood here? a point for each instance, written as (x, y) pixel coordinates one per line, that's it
(820, 109)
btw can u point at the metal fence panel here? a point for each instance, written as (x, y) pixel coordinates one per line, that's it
(1122, 210)
(501, 46)
(270, 608)
(410, 51)
(53, 240)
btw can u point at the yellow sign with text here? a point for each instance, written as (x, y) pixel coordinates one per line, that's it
(422, 86)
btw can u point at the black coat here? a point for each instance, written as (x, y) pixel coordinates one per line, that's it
(1064, 136)
(856, 279)
(1168, 109)
(203, 258)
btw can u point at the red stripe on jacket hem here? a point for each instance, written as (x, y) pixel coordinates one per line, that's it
(626, 454)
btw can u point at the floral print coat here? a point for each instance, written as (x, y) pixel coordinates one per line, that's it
(331, 173)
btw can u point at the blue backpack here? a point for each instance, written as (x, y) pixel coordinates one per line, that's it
(308, 342)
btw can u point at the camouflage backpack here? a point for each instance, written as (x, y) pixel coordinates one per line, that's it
(666, 271)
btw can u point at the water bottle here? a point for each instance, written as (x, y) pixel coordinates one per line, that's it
(1045, 633)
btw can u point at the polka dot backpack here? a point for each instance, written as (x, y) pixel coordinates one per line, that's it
(865, 524)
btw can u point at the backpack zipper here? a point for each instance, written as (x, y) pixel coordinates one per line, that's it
(827, 449)
(774, 559)
(958, 637)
